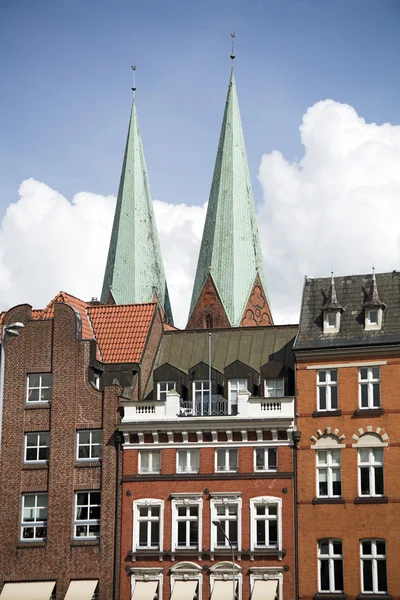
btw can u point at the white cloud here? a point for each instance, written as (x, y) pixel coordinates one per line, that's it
(337, 208)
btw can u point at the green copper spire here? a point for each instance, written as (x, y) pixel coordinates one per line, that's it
(230, 249)
(134, 270)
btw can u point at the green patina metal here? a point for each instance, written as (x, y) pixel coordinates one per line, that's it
(230, 248)
(135, 270)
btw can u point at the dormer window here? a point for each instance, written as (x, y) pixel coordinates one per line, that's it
(373, 318)
(331, 321)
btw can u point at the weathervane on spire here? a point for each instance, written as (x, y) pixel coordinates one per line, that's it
(133, 67)
(233, 34)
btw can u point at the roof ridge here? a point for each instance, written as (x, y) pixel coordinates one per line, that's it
(119, 306)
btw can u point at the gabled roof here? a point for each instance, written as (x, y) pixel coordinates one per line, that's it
(230, 248)
(134, 269)
(353, 292)
(121, 331)
(76, 303)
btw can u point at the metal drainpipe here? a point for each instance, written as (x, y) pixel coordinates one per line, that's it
(119, 438)
(296, 439)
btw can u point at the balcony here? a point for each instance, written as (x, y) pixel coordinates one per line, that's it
(201, 406)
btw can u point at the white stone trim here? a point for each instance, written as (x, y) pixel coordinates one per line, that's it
(224, 499)
(265, 574)
(264, 500)
(187, 571)
(223, 571)
(369, 363)
(147, 574)
(320, 437)
(135, 529)
(370, 441)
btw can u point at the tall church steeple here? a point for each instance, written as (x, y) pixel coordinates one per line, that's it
(134, 270)
(229, 288)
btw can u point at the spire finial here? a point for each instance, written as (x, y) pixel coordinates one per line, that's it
(233, 34)
(133, 67)
(373, 271)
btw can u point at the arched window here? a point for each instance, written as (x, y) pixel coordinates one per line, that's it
(370, 465)
(209, 322)
(329, 476)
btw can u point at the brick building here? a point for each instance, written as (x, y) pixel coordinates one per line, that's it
(63, 375)
(347, 380)
(192, 458)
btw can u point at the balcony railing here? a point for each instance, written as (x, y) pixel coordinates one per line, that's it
(203, 406)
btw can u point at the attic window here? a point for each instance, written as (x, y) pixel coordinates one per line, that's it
(373, 318)
(209, 322)
(331, 321)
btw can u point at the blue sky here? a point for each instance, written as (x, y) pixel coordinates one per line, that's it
(65, 83)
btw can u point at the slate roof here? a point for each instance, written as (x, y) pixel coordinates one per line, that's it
(254, 346)
(121, 330)
(134, 269)
(352, 292)
(230, 247)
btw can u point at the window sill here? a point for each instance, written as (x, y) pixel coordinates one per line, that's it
(368, 412)
(330, 596)
(328, 501)
(85, 542)
(34, 405)
(88, 464)
(371, 500)
(327, 413)
(374, 597)
(38, 544)
(35, 466)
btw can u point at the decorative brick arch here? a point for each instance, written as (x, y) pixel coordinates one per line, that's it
(371, 429)
(327, 431)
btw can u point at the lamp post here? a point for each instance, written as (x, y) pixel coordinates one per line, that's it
(12, 329)
(219, 524)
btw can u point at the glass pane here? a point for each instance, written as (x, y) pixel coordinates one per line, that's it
(144, 461)
(143, 533)
(82, 513)
(42, 514)
(220, 536)
(322, 376)
(322, 457)
(378, 455)
(382, 581)
(44, 439)
(82, 498)
(95, 497)
(273, 532)
(31, 454)
(33, 395)
(333, 375)
(181, 511)
(260, 527)
(259, 458)
(324, 575)
(272, 458)
(221, 460)
(45, 394)
(80, 531)
(28, 533)
(364, 455)
(29, 501)
(366, 548)
(182, 461)
(338, 574)
(334, 397)
(220, 511)
(155, 533)
(324, 547)
(94, 512)
(379, 480)
(97, 437)
(193, 511)
(193, 531)
(335, 455)
(84, 437)
(233, 460)
(332, 319)
(260, 509)
(94, 530)
(31, 439)
(156, 461)
(41, 532)
(363, 373)
(46, 380)
(376, 394)
(381, 548)
(232, 510)
(233, 532)
(155, 511)
(364, 476)
(337, 547)
(364, 395)
(143, 511)
(195, 460)
(335, 474)
(83, 452)
(96, 451)
(367, 575)
(273, 509)
(33, 380)
(181, 533)
(322, 398)
(375, 372)
(337, 488)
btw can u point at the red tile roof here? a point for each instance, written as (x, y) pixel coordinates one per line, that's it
(168, 327)
(121, 330)
(77, 304)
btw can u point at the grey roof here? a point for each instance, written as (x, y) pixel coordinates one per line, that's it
(353, 291)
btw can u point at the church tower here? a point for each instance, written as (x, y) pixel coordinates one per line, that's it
(229, 288)
(134, 270)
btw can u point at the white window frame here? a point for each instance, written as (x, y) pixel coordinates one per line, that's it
(329, 467)
(369, 382)
(148, 574)
(36, 523)
(374, 557)
(39, 387)
(187, 571)
(148, 503)
(329, 328)
(331, 558)
(91, 444)
(37, 447)
(234, 386)
(373, 325)
(267, 574)
(225, 499)
(204, 393)
(328, 384)
(274, 388)
(266, 450)
(187, 500)
(371, 464)
(162, 393)
(226, 452)
(222, 571)
(151, 454)
(264, 500)
(86, 522)
(189, 460)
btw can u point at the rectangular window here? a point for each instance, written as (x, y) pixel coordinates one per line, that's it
(234, 386)
(329, 474)
(187, 524)
(327, 385)
(373, 566)
(370, 471)
(34, 517)
(89, 444)
(37, 447)
(149, 461)
(188, 461)
(226, 460)
(227, 516)
(330, 559)
(369, 387)
(163, 387)
(274, 388)
(38, 387)
(266, 525)
(87, 515)
(265, 459)
(201, 393)
(149, 526)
